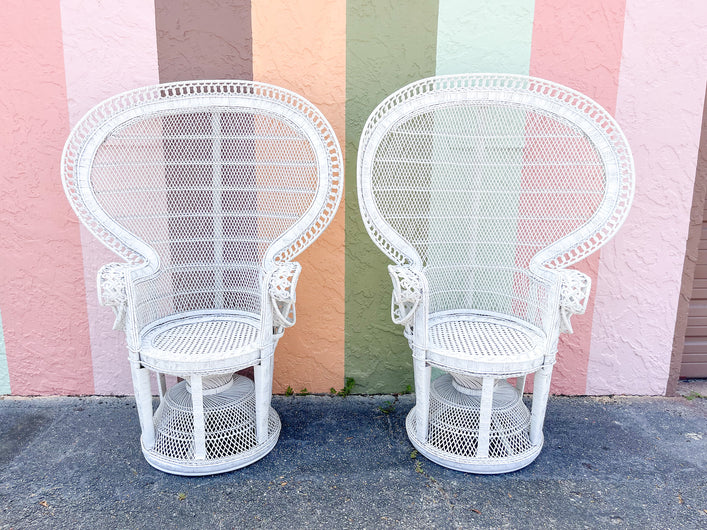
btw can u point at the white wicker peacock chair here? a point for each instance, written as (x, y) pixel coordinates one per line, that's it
(482, 189)
(207, 190)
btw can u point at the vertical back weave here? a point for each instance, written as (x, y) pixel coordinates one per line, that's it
(208, 181)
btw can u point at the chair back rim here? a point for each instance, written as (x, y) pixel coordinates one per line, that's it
(93, 129)
(504, 89)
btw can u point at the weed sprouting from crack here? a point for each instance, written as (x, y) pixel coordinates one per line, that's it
(387, 407)
(432, 481)
(348, 387)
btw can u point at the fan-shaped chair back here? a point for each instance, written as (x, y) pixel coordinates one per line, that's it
(482, 188)
(478, 179)
(188, 178)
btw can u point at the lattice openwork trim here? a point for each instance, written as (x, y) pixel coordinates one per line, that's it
(112, 284)
(229, 417)
(270, 102)
(282, 289)
(503, 147)
(574, 295)
(454, 423)
(408, 287)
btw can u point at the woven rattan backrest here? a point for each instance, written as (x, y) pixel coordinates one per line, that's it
(475, 177)
(206, 182)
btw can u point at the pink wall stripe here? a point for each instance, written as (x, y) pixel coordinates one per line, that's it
(109, 47)
(584, 53)
(659, 106)
(41, 279)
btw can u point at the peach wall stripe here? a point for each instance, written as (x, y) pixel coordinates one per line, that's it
(301, 45)
(41, 279)
(109, 47)
(659, 106)
(584, 53)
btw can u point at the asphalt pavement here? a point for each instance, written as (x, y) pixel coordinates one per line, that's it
(346, 462)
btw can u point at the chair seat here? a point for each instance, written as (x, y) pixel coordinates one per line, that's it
(201, 344)
(484, 344)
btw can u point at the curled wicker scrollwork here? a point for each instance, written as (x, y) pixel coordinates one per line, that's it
(112, 290)
(407, 293)
(574, 295)
(282, 293)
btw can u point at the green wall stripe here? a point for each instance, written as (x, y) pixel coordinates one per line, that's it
(388, 45)
(4, 372)
(483, 36)
(494, 37)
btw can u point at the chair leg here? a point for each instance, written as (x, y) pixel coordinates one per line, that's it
(263, 393)
(485, 410)
(197, 399)
(520, 383)
(541, 391)
(161, 385)
(423, 373)
(143, 401)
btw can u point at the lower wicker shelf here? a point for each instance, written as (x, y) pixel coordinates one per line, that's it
(229, 416)
(453, 430)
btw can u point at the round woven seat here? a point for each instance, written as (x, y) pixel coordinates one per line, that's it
(484, 344)
(201, 344)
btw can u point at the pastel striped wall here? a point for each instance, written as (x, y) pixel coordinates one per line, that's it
(480, 36)
(99, 40)
(583, 52)
(304, 49)
(642, 60)
(661, 90)
(4, 373)
(42, 294)
(388, 45)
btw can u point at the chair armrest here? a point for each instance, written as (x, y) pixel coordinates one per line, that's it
(112, 290)
(281, 288)
(574, 295)
(408, 292)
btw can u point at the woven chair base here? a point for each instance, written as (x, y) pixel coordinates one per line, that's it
(230, 431)
(453, 430)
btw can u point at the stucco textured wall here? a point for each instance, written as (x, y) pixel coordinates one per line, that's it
(100, 39)
(660, 96)
(303, 49)
(642, 60)
(42, 295)
(582, 52)
(389, 44)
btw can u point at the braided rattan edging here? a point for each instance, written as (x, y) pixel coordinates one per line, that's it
(93, 121)
(571, 100)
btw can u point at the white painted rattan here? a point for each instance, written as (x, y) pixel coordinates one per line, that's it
(282, 293)
(208, 190)
(112, 290)
(574, 295)
(482, 189)
(454, 428)
(230, 438)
